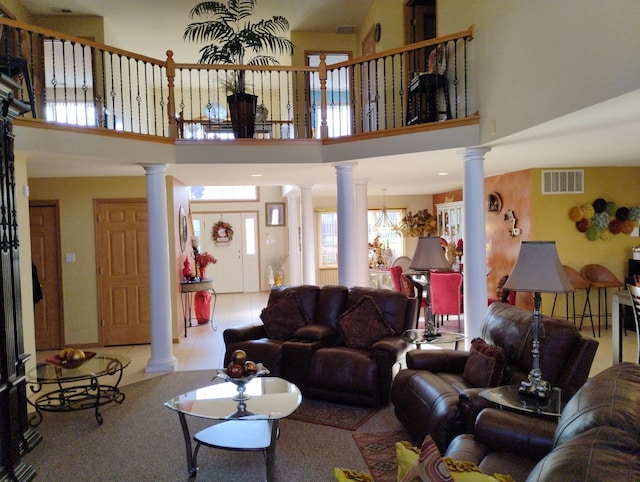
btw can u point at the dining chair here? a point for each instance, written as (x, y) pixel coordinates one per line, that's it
(502, 295)
(602, 278)
(579, 283)
(446, 295)
(413, 289)
(403, 261)
(396, 273)
(634, 292)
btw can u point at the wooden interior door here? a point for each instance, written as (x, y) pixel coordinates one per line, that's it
(44, 221)
(122, 251)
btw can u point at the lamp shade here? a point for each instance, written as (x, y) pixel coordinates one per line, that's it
(538, 269)
(429, 255)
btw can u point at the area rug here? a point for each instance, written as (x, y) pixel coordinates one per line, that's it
(346, 417)
(378, 449)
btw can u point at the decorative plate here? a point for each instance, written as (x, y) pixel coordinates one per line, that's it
(494, 203)
(56, 360)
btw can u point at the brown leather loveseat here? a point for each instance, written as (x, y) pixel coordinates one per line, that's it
(335, 343)
(432, 396)
(596, 438)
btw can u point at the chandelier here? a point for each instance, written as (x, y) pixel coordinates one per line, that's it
(383, 223)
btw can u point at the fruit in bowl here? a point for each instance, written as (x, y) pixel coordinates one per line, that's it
(70, 357)
(72, 354)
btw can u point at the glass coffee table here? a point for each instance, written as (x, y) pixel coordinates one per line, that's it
(248, 418)
(418, 337)
(89, 384)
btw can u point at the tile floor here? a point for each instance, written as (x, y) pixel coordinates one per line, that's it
(203, 348)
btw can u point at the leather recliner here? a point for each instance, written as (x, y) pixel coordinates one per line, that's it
(432, 397)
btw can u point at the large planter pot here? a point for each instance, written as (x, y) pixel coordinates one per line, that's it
(242, 108)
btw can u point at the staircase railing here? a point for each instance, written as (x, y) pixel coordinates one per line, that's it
(73, 81)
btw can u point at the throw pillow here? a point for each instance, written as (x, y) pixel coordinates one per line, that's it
(283, 317)
(406, 455)
(429, 465)
(345, 475)
(461, 471)
(485, 365)
(363, 324)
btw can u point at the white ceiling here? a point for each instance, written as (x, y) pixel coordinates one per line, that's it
(604, 134)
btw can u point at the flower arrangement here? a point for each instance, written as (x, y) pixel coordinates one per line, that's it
(205, 259)
(221, 232)
(422, 223)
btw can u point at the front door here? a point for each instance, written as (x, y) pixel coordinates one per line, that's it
(122, 260)
(237, 269)
(45, 253)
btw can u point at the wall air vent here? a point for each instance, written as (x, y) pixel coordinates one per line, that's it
(563, 181)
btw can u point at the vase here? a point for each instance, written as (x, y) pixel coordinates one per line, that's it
(203, 272)
(202, 306)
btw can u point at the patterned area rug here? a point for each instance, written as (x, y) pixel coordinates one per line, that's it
(346, 417)
(378, 450)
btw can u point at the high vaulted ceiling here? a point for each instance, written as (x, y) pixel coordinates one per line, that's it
(603, 134)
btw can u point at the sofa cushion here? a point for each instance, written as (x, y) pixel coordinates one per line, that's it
(283, 317)
(601, 453)
(610, 398)
(485, 366)
(363, 324)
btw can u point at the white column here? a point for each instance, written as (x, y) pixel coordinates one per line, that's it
(475, 251)
(162, 359)
(362, 233)
(346, 225)
(308, 236)
(295, 251)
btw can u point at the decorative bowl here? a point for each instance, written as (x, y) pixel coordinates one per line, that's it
(58, 361)
(241, 382)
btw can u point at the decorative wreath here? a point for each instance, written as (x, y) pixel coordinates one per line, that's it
(221, 232)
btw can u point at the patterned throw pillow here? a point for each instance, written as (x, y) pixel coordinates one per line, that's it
(363, 324)
(486, 364)
(283, 317)
(429, 465)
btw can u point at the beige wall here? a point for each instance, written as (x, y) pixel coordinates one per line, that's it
(86, 26)
(77, 236)
(540, 60)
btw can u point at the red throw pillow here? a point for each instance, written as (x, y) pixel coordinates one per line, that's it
(363, 324)
(486, 364)
(283, 317)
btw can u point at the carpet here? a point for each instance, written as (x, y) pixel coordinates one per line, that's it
(378, 450)
(345, 417)
(141, 440)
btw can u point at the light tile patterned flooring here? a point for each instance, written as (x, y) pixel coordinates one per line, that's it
(203, 348)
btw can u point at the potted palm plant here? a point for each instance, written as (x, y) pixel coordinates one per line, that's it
(232, 38)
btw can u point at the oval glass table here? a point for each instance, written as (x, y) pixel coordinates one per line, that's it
(89, 385)
(248, 422)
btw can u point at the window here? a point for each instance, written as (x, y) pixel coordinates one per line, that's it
(223, 193)
(328, 235)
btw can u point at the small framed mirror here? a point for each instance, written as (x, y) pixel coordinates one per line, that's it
(275, 214)
(182, 227)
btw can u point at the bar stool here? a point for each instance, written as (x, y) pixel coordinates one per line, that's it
(602, 278)
(579, 283)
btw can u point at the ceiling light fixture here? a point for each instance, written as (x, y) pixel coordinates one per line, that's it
(384, 223)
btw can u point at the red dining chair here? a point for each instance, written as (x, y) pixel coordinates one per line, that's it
(446, 295)
(396, 274)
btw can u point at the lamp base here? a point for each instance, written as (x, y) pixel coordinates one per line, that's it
(535, 388)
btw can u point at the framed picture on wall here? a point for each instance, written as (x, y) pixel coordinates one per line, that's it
(275, 214)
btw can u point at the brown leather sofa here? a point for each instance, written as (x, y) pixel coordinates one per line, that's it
(596, 438)
(316, 357)
(432, 396)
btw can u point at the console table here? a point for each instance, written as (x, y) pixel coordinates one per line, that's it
(80, 388)
(188, 289)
